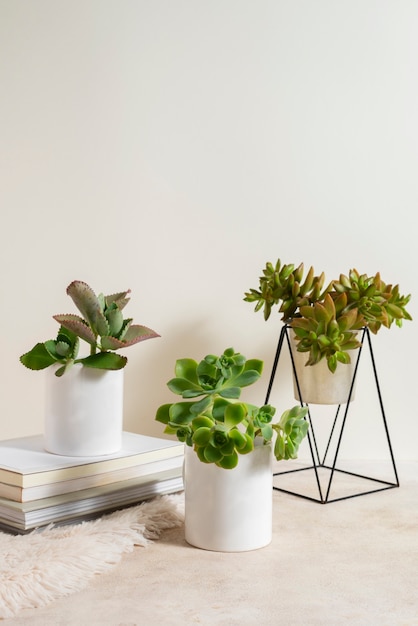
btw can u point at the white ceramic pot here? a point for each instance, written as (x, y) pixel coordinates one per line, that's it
(318, 385)
(84, 412)
(229, 510)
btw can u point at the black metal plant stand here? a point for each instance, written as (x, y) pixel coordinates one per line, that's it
(321, 464)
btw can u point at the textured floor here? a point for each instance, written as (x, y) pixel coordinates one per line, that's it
(352, 562)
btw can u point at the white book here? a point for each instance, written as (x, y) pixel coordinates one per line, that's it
(25, 463)
(69, 507)
(27, 494)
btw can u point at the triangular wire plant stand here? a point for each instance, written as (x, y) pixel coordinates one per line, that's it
(318, 464)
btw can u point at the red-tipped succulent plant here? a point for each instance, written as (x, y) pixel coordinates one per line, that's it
(101, 325)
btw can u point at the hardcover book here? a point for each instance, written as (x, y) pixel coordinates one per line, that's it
(24, 462)
(24, 516)
(28, 494)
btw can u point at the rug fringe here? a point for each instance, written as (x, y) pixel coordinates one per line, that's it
(41, 567)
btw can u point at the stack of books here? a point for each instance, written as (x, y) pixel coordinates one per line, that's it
(38, 488)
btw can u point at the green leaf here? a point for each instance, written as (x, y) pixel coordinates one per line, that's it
(104, 361)
(202, 421)
(230, 392)
(212, 454)
(246, 378)
(228, 462)
(38, 358)
(279, 447)
(201, 406)
(187, 368)
(267, 432)
(180, 413)
(180, 385)
(163, 414)
(234, 414)
(115, 320)
(228, 448)
(239, 438)
(248, 446)
(202, 436)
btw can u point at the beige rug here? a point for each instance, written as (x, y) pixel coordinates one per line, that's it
(40, 567)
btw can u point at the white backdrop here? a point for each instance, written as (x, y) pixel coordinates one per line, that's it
(175, 146)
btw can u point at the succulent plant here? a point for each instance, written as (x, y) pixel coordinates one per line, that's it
(285, 286)
(379, 304)
(215, 423)
(325, 320)
(325, 331)
(101, 325)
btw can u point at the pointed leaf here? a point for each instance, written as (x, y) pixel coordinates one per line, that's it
(133, 335)
(38, 358)
(76, 325)
(89, 306)
(118, 298)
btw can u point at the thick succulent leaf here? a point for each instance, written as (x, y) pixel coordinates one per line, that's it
(163, 414)
(54, 349)
(207, 370)
(115, 320)
(228, 462)
(246, 378)
(200, 407)
(180, 413)
(202, 420)
(104, 361)
(38, 358)
(202, 435)
(134, 334)
(212, 454)
(218, 410)
(89, 306)
(267, 432)
(234, 414)
(180, 385)
(230, 392)
(349, 319)
(76, 325)
(118, 298)
(239, 438)
(321, 313)
(187, 368)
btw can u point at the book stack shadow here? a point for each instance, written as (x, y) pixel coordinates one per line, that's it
(38, 488)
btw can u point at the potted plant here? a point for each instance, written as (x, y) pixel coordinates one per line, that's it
(228, 453)
(325, 321)
(84, 393)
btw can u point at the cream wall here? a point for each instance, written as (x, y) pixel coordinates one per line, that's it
(173, 147)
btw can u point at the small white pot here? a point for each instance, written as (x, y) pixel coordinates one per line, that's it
(229, 510)
(318, 385)
(84, 412)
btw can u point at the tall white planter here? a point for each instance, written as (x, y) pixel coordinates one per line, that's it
(83, 412)
(229, 510)
(318, 385)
